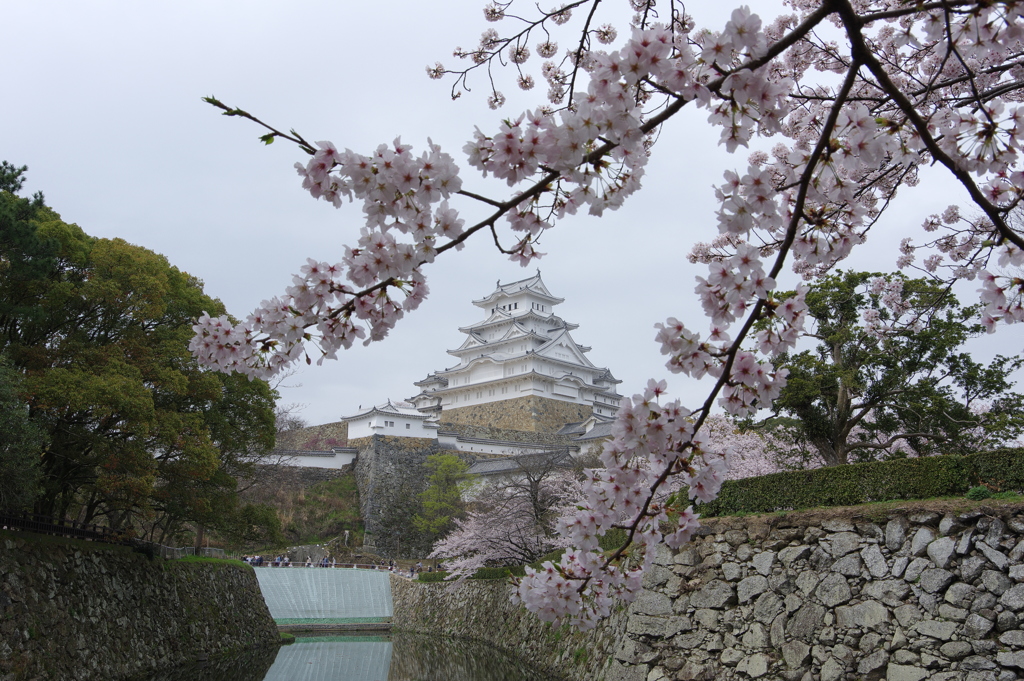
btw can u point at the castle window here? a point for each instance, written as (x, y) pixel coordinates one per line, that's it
(408, 426)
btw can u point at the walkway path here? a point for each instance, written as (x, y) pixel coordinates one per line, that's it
(327, 596)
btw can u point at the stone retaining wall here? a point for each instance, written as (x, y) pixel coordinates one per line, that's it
(506, 435)
(481, 610)
(321, 437)
(920, 593)
(532, 413)
(281, 477)
(83, 610)
(390, 476)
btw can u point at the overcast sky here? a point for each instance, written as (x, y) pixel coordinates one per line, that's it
(103, 105)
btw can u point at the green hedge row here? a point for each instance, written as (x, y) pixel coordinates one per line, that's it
(482, 573)
(922, 478)
(436, 576)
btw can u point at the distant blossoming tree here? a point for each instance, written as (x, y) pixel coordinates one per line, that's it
(511, 522)
(856, 96)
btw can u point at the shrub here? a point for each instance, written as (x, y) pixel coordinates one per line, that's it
(978, 493)
(612, 539)
(437, 576)
(492, 573)
(553, 556)
(920, 478)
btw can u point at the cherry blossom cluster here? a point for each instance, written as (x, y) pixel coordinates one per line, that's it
(275, 335)
(654, 446)
(511, 524)
(1003, 298)
(405, 202)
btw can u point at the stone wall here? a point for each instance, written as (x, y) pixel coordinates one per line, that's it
(84, 610)
(532, 413)
(929, 591)
(507, 435)
(321, 437)
(390, 476)
(481, 610)
(282, 477)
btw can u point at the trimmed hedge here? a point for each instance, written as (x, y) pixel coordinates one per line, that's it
(436, 576)
(481, 573)
(491, 573)
(921, 478)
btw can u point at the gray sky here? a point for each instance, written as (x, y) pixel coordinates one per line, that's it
(103, 105)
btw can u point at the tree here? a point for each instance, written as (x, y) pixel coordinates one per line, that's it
(512, 519)
(856, 98)
(749, 451)
(889, 376)
(442, 501)
(138, 434)
(20, 443)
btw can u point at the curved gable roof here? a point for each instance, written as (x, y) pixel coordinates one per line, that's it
(534, 285)
(548, 349)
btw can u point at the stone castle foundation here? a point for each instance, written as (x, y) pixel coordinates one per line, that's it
(533, 414)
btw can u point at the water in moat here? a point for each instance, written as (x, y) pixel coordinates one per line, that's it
(393, 657)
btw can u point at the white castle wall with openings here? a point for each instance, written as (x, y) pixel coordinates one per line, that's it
(520, 348)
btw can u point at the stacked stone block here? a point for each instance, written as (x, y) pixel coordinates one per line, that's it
(85, 610)
(919, 596)
(914, 595)
(539, 414)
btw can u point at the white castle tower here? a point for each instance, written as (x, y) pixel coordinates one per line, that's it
(521, 349)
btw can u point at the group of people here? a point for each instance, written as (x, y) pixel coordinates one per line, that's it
(325, 562)
(276, 561)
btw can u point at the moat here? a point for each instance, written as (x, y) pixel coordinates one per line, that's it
(370, 657)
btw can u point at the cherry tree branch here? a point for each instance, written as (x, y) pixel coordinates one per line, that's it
(853, 25)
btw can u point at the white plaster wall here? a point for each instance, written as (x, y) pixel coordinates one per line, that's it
(336, 461)
(374, 425)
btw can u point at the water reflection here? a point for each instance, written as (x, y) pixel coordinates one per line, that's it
(426, 658)
(396, 657)
(320, 659)
(252, 666)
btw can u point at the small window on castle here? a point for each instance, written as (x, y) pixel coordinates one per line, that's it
(408, 426)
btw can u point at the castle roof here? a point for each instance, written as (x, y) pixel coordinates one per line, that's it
(532, 285)
(398, 408)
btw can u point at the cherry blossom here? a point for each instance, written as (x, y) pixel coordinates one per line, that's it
(842, 101)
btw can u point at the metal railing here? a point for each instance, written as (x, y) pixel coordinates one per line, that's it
(61, 527)
(270, 562)
(171, 552)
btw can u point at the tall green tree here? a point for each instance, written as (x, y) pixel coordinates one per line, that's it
(138, 435)
(441, 502)
(889, 376)
(20, 444)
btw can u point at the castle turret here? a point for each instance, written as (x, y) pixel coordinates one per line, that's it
(520, 349)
